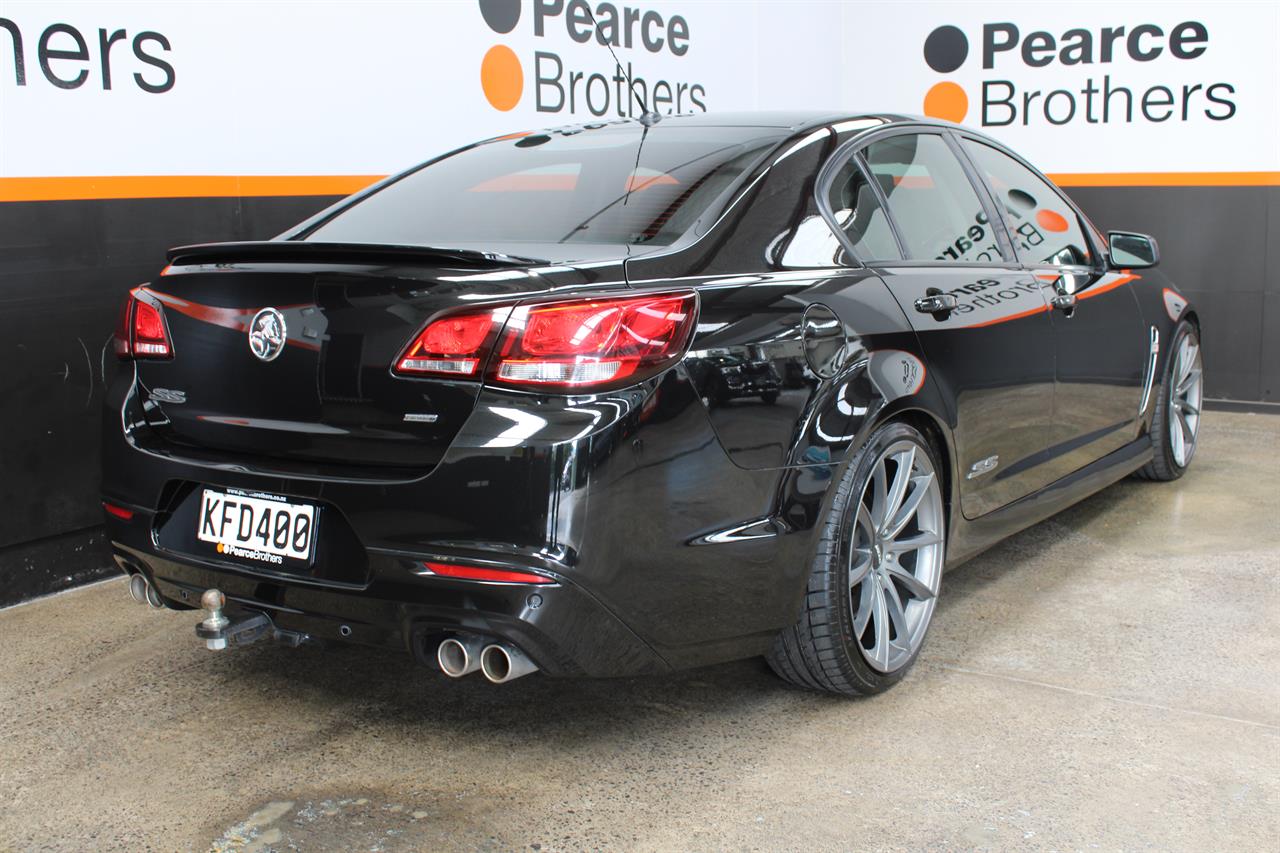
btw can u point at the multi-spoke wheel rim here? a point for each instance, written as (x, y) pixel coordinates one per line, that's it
(1185, 396)
(895, 562)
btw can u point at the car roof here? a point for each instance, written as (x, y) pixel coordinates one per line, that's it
(789, 119)
(794, 120)
(783, 123)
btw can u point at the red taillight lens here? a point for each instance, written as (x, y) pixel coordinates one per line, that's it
(149, 338)
(118, 511)
(580, 344)
(450, 346)
(593, 343)
(141, 332)
(478, 573)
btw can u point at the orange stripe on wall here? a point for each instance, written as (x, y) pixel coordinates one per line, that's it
(180, 186)
(222, 186)
(1167, 179)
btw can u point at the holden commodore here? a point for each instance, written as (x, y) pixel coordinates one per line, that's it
(467, 412)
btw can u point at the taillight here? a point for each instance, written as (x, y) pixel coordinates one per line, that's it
(141, 331)
(451, 346)
(149, 336)
(579, 344)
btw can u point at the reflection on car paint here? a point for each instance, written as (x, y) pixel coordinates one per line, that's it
(896, 373)
(1174, 303)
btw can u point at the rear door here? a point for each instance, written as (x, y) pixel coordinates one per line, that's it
(990, 349)
(1103, 348)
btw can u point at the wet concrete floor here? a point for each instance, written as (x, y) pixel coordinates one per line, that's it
(1107, 679)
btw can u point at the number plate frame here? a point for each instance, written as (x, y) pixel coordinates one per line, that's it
(234, 511)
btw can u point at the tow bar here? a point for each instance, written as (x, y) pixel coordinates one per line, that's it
(220, 631)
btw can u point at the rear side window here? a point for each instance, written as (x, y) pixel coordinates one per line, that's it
(1044, 227)
(936, 208)
(859, 215)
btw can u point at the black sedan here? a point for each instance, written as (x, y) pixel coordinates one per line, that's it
(468, 412)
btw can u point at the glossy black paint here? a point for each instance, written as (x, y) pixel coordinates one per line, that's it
(676, 522)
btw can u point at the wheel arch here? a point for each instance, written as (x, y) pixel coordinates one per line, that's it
(933, 428)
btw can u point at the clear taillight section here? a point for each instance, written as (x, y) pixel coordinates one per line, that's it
(579, 344)
(141, 331)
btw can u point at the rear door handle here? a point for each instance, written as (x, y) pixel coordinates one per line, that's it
(937, 303)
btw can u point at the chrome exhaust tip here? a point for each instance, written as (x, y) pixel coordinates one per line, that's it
(501, 663)
(138, 587)
(142, 591)
(459, 656)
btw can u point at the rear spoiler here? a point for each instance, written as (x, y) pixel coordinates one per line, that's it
(300, 250)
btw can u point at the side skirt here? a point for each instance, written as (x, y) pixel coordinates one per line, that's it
(971, 537)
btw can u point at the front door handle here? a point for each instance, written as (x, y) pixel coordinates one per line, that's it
(937, 303)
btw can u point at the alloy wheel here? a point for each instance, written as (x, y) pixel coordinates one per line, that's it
(1185, 398)
(895, 564)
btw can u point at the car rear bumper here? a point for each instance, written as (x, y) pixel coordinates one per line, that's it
(663, 553)
(559, 625)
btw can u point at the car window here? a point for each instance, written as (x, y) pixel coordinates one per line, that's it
(1044, 228)
(859, 215)
(931, 199)
(611, 184)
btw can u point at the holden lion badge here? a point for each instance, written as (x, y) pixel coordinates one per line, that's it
(267, 334)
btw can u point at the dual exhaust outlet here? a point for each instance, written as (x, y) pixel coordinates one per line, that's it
(500, 662)
(141, 590)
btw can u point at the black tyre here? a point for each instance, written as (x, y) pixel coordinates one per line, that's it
(1175, 426)
(875, 578)
(769, 397)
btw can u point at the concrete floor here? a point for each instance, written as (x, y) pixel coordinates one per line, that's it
(1108, 679)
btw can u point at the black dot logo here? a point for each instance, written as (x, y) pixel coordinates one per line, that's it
(945, 49)
(502, 15)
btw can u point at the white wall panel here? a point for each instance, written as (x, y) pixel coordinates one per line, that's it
(330, 88)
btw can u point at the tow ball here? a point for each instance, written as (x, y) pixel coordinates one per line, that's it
(219, 631)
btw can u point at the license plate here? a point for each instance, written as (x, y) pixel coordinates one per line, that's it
(257, 527)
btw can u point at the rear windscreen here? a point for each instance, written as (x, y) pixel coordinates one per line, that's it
(613, 184)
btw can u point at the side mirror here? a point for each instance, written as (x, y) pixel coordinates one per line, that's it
(1132, 251)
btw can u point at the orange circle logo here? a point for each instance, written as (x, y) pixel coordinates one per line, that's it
(502, 77)
(1051, 220)
(946, 100)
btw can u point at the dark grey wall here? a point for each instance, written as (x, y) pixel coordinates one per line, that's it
(66, 265)
(1218, 246)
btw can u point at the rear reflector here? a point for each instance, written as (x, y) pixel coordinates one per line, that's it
(477, 573)
(118, 511)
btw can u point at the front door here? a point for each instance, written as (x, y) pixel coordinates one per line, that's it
(1102, 347)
